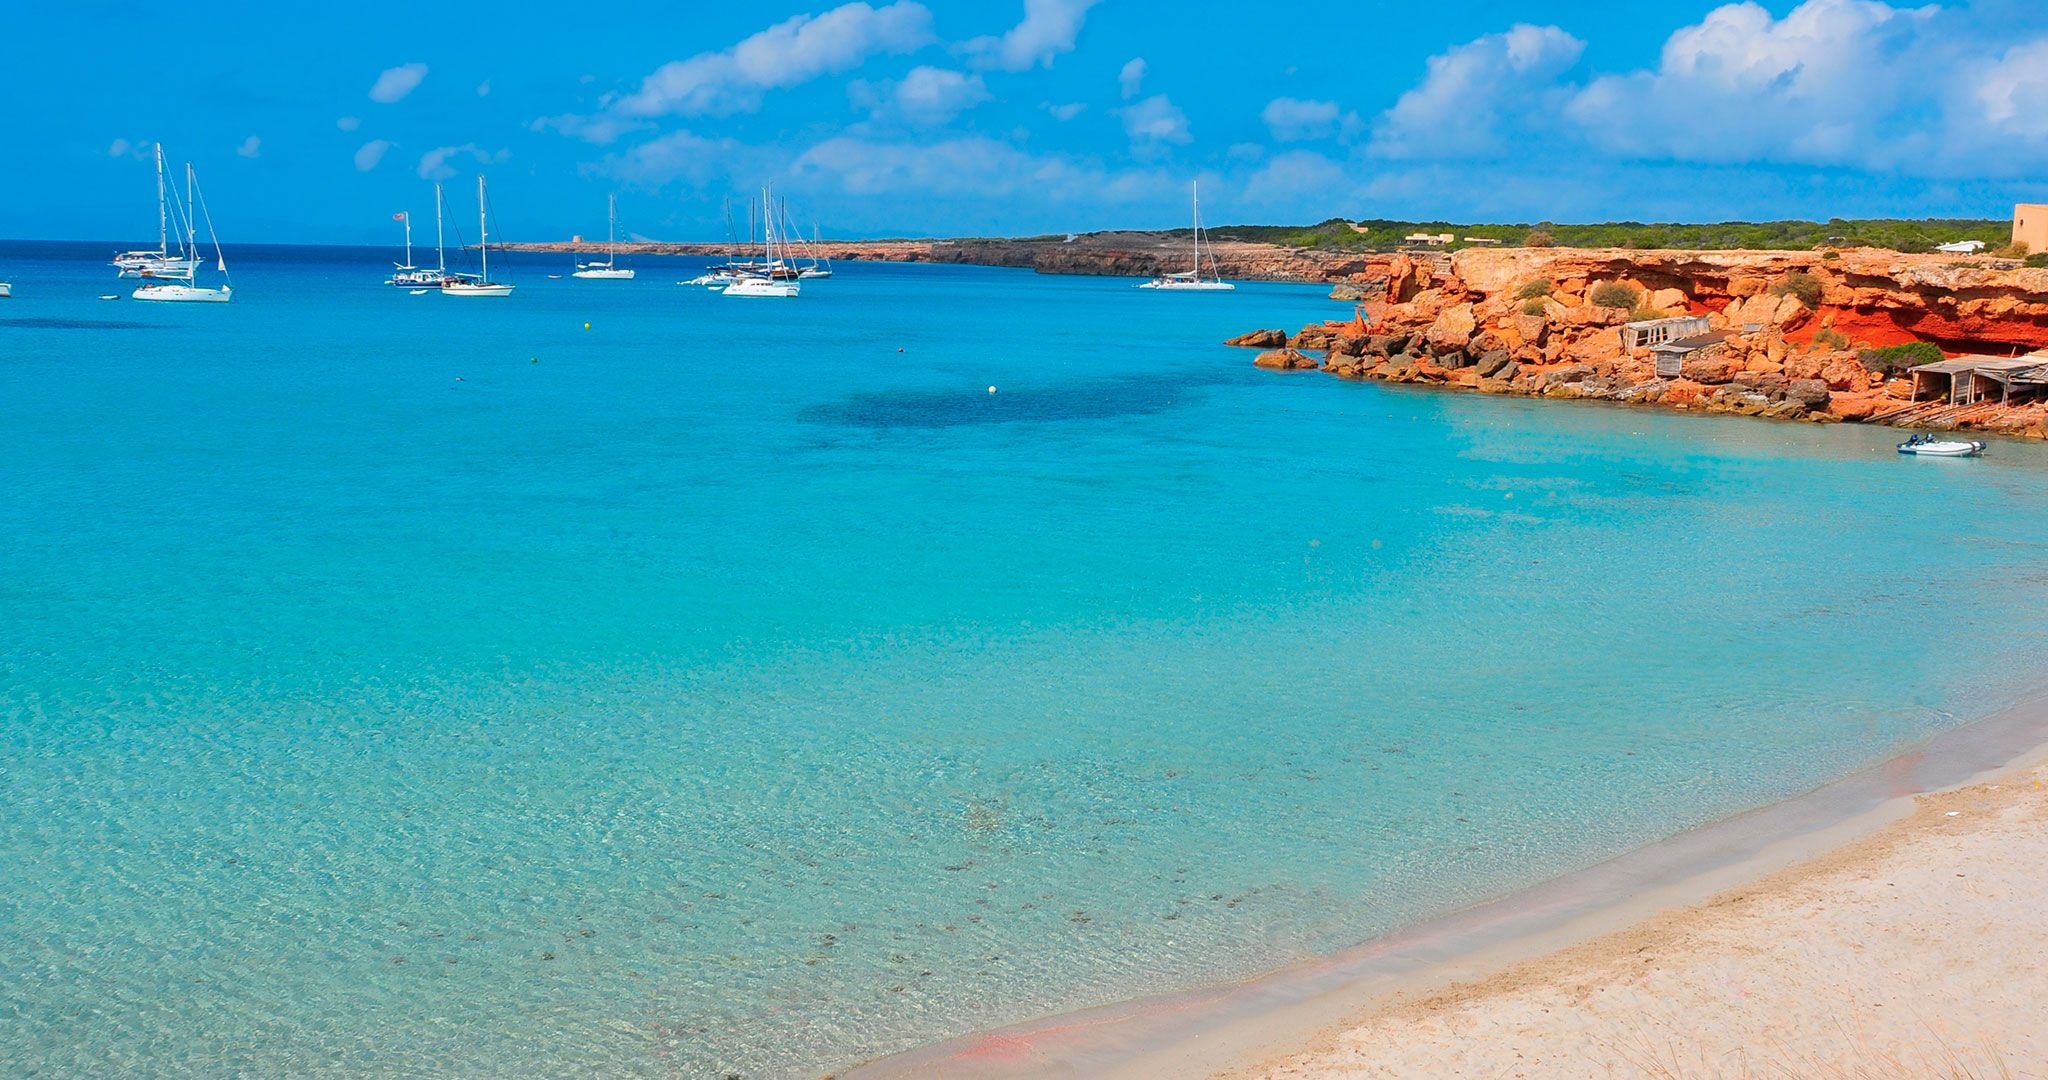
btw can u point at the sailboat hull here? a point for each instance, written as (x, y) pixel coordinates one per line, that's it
(604, 273)
(467, 288)
(184, 294)
(761, 287)
(1190, 286)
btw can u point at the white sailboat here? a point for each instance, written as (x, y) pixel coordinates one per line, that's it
(477, 284)
(173, 291)
(1191, 280)
(405, 274)
(159, 263)
(769, 277)
(609, 269)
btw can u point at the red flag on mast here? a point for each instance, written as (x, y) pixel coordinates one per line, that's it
(398, 216)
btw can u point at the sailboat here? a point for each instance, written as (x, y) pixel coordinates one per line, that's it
(1192, 280)
(765, 278)
(405, 274)
(477, 284)
(159, 263)
(195, 199)
(608, 269)
(815, 270)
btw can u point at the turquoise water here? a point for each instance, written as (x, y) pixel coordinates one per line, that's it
(414, 686)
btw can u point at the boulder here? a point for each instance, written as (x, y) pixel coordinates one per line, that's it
(1534, 330)
(1491, 363)
(1672, 301)
(1856, 406)
(1452, 329)
(1285, 360)
(1810, 393)
(1786, 410)
(1350, 293)
(1710, 365)
(1260, 339)
(1388, 344)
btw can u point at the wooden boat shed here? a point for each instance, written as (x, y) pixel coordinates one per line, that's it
(1967, 380)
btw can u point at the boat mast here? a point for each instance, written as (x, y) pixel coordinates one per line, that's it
(440, 252)
(408, 239)
(483, 228)
(163, 212)
(1198, 230)
(611, 243)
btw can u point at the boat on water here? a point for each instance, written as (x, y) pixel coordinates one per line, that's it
(407, 276)
(6, 290)
(609, 269)
(772, 276)
(182, 288)
(161, 262)
(1929, 446)
(478, 284)
(1191, 280)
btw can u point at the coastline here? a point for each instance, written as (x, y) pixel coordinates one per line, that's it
(1292, 1022)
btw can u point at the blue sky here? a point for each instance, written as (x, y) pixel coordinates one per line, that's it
(935, 117)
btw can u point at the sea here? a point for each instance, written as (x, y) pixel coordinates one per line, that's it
(619, 679)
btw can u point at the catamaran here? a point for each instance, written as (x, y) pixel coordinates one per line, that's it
(160, 263)
(770, 277)
(477, 284)
(609, 268)
(405, 274)
(195, 199)
(1192, 280)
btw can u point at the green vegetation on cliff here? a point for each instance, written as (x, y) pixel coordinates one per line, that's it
(1895, 233)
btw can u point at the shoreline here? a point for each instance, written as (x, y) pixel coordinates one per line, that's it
(1248, 1028)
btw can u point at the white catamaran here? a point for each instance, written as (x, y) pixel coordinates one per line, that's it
(477, 284)
(1191, 280)
(609, 269)
(195, 200)
(770, 277)
(159, 263)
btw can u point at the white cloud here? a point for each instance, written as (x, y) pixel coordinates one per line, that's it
(602, 129)
(1245, 151)
(926, 97)
(434, 163)
(1131, 78)
(1067, 111)
(791, 52)
(348, 123)
(973, 168)
(251, 147)
(1049, 29)
(483, 89)
(2012, 93)
(370, 153)
(1812, 87)
(129, 149)
(1295, 120)
(1297, 177)
(678, 155)
(1154, 121)
(1471, 88)
(394, 83)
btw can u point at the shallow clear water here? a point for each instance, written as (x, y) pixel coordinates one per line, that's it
(417, 686)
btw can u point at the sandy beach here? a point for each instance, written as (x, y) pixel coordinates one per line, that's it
(1918, 951)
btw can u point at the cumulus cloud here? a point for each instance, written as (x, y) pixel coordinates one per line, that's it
(251, 147)
(1155, 121)
(1296, 120)
(348, 123)
(678, 155)
(1295, 177)
(434, 164)
(1050, 28)
(483, 89)
(1131, 78)
(138, 149)
(2012, 93)
(1811, 87)
(602, 129)
(1065, 111)
(926, 97)
(794, 51)
(370, 153)
(1471, 89)
(394, 83)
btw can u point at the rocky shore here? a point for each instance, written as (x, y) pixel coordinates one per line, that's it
(1795, 335)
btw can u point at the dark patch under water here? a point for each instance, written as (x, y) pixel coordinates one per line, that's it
(1095, 399)
(46, 323)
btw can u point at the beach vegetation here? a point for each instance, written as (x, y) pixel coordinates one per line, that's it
(2012, 251)
(2038, 262)
(1539, 238)
(1830, 338)
(1535, 306)
(1896, 234)
(1613, 294)
(1895, 359)
(1538, 289)
(1832, 256)
(1800, 284)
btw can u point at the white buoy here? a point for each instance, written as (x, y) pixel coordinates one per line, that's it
(991, 389)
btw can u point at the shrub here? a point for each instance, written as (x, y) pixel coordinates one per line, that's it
(1539, 238)
(1538, 289)
(2013, 250)
(1893, 359)
(1614, 294)
(1831, 256)
(2038, 262)
(1800, 284)
(1534, 306)
(1830, 338)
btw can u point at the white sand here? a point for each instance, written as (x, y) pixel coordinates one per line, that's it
(1921, 951)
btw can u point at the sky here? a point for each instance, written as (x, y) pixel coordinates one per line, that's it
(315, 123)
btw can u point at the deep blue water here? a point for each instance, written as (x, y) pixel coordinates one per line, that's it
(400, 685)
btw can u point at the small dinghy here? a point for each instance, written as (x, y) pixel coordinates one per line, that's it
(1929, 446)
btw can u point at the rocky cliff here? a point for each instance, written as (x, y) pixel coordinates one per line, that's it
(1793, 328)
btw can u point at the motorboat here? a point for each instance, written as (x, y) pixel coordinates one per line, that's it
(762, 286)
(1929, 446)
(6, 290)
